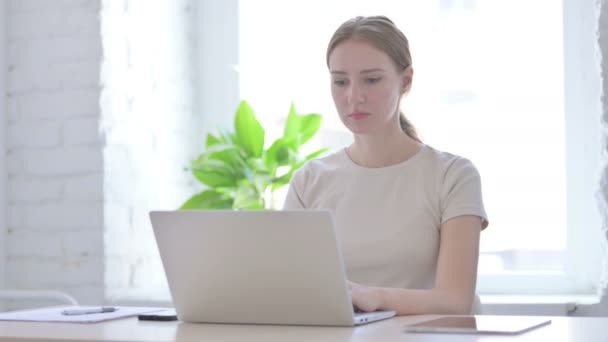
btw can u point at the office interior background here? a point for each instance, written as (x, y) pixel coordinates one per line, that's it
(104, 102)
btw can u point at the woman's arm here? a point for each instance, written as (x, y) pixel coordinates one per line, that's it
(455, 277)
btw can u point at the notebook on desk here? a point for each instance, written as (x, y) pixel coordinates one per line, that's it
(256, 267)
(57, 314)
(501, 325)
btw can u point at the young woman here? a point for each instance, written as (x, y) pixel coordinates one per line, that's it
(408, 217)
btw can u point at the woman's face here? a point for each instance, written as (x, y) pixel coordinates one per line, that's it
(366, 86)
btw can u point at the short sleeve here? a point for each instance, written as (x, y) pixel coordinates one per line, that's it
(293, 200)
(461, 192)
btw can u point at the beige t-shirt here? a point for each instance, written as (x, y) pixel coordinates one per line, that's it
(388, 219)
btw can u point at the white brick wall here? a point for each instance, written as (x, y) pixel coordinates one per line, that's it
(82, 179)
(3, 115)
(601, 309)
(55, 203)
(603, 193)
(30, 134)
(151, 133)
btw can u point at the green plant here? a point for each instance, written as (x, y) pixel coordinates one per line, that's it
(239, 173)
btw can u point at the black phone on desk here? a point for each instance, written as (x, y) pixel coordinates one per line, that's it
(164, 315)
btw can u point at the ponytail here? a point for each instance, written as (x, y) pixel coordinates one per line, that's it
(408, 128)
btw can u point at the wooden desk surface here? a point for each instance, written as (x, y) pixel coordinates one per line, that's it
(585, 329)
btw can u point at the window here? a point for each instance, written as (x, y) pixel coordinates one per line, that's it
(490, 85)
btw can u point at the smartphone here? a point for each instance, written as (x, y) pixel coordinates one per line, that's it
(165, 315)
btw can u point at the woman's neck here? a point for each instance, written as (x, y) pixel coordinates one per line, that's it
(382, 150)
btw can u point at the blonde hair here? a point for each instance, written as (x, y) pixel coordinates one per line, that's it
(382, 33)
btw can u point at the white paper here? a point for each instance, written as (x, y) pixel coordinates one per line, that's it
(54, 314)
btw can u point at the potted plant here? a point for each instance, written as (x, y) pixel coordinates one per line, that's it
(239, 173)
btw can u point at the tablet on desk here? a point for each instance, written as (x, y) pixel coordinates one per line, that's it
(502, 325)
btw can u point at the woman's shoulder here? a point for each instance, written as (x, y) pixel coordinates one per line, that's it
(332, 161)
(450, 168)
(447, 160)
(318, 167)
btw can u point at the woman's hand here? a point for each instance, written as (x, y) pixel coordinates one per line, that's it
(365, 298)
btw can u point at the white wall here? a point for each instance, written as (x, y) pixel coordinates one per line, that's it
(583, 112)
(600, 37)
(2, 143)
(152, 131)
(97, 138)
(54, 159)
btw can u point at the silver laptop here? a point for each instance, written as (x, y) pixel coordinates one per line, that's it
(257, 267)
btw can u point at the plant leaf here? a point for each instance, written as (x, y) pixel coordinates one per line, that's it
(219, 148)
(282, 181)
(224, 152)
(262, 181)
(212, 140)
(257, 165)
(292, 125)
(247, 197)
(270, 156)
(213, 179)
(249, 131)
(208, 199)
(283, 156)
(248, 175)
(213, 173)
(276, 155)
(237, 169)
(310, 124)
(227, 137)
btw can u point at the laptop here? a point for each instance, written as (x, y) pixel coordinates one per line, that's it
(256, 267)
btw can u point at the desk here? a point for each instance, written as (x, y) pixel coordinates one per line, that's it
(587, 329)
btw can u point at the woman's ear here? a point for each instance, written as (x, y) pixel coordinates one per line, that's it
(406, 79)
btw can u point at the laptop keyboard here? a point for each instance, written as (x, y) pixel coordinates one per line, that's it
(358, 311)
